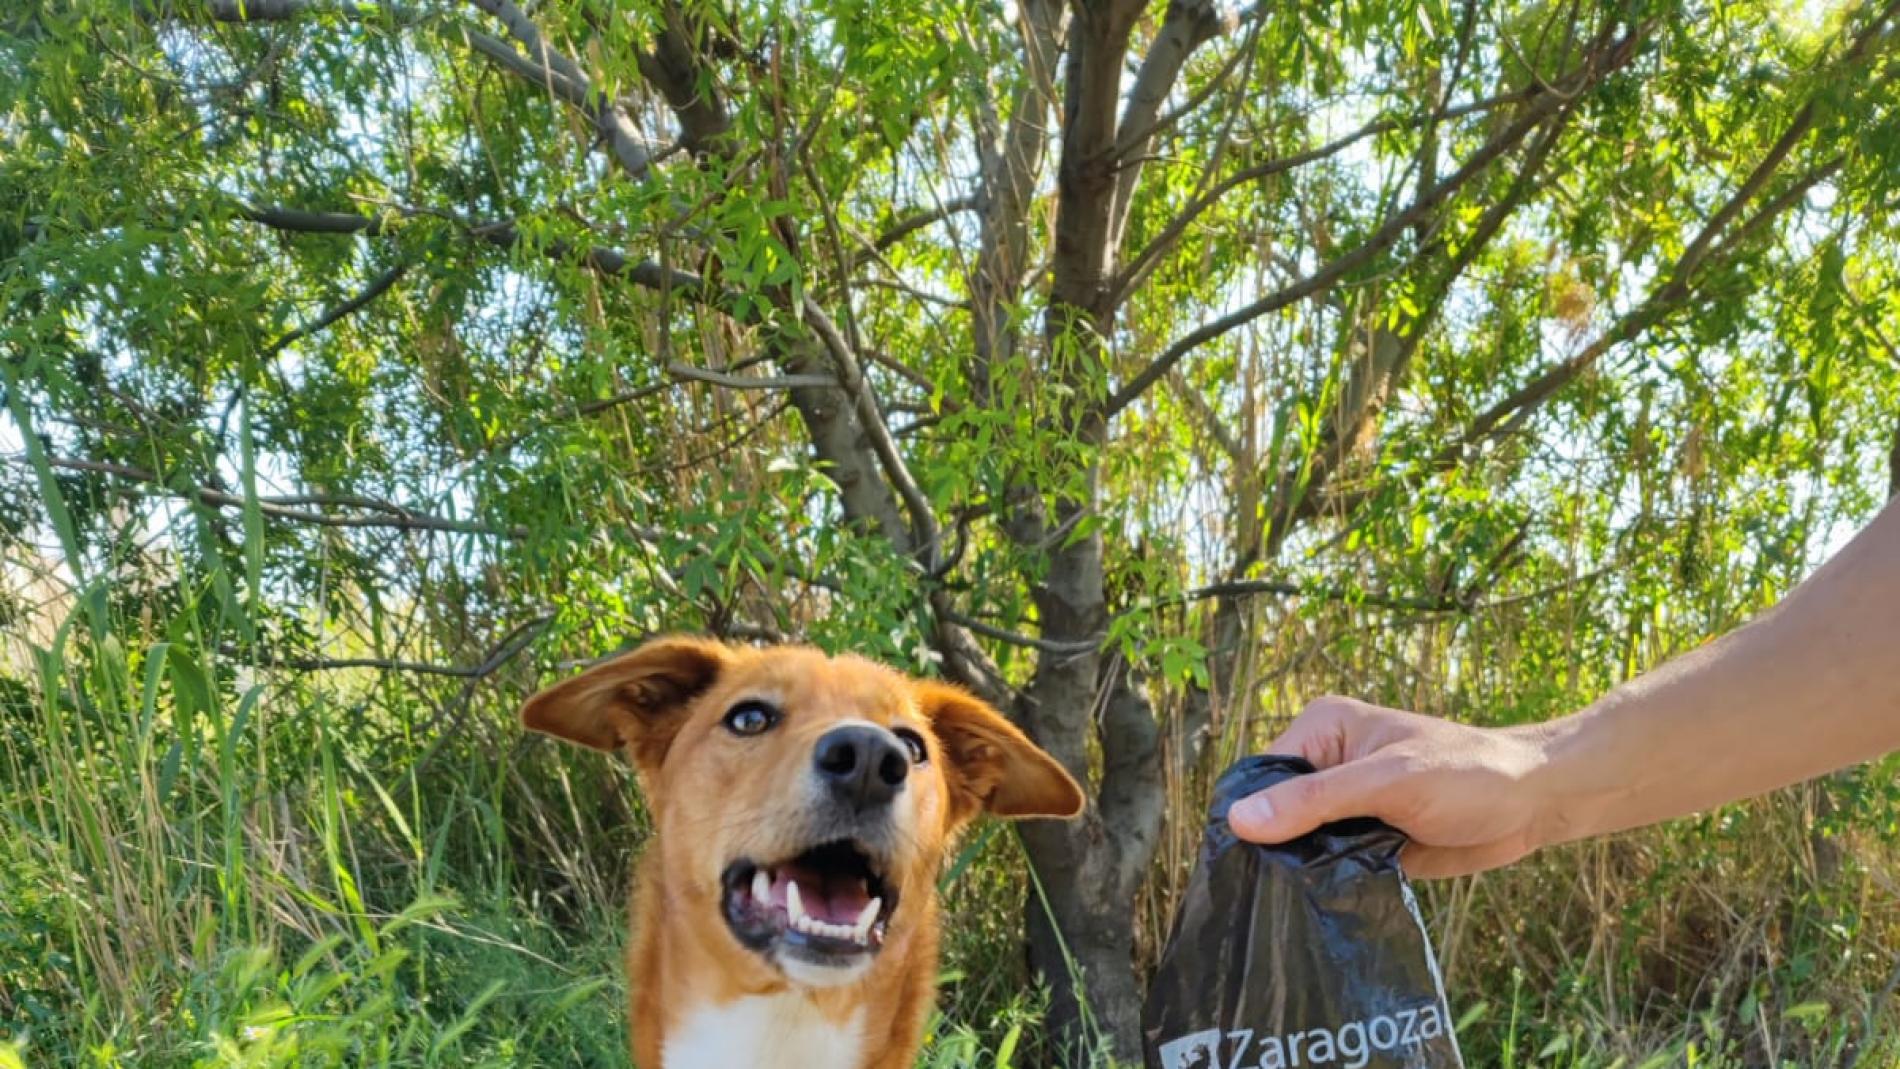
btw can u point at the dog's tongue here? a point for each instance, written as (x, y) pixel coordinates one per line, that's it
(834, 898)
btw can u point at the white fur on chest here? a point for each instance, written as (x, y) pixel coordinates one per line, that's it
(763, 1030)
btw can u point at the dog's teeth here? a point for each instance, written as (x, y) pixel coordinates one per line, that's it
(869, 916)
(794, 908)
(761, 887)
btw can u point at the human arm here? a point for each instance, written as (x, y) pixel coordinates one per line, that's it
(1807, 687)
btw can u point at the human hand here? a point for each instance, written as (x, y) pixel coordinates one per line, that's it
(1469, 797)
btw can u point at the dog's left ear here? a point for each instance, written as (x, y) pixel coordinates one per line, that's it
(989, 763)
(637, 700)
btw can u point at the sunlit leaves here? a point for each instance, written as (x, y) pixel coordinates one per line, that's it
(513, 382)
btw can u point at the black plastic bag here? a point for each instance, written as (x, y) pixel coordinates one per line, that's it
(1307, 955)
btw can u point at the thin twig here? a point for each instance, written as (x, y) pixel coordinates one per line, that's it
(377, 287)
(1015, 638)
(293, 508)
(1143, 261)
(749, 382)
(503, 651)
(910, 222)
(1385, 237)
(1467, 604)
(922, 518)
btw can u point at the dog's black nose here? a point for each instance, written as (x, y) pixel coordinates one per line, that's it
(863, 764)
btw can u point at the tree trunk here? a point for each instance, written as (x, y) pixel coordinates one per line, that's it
(1081, 938)
(1893, 467)
(1081, 929)
(1094, 945)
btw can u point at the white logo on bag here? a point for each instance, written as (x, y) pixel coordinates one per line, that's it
(1349, 1046)
(1198, 1051)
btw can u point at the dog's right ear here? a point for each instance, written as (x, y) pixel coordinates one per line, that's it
(637, 700)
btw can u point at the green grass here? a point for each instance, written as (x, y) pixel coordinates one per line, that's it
(205, 865)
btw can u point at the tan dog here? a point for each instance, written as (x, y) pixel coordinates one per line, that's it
(786, 912)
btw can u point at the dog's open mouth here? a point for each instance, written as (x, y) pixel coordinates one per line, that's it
(827, 905)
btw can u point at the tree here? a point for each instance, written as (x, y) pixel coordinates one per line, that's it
(1893, 467)
(1061, 345)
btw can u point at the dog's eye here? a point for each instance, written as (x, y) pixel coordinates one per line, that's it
(915, 744)
(751, 718)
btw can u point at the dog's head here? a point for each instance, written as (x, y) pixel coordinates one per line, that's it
(800, 797)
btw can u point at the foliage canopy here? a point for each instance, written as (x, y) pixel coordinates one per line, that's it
(1140, 366)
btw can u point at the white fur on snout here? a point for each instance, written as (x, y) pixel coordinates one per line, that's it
(757, 1030)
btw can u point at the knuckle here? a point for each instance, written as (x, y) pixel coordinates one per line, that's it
(1408, 762)
(1332, 707)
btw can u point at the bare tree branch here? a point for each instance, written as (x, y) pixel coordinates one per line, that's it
(1241, 588)
(1130, 134)
(562, 76)
(511, 59)
(1390, 353)
(1012, 162)
(1384, 238)
(273, 10)
(309, 222)
(501, 234)
(1677, 288)
(523, 29)
(543, 65)
(927, 535)
(1187, 25)
(1149, 256)
(505, 649)
(1087, 172)
(1465, 603)
(911, 222)
(1014, 638)
(749, 382)
(293, 508)
(376, 288)
(844, 348)
(678, 69)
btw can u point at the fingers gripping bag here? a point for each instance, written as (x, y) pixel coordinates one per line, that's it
(1306, 955)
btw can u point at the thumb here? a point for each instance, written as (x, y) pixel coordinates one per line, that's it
(1291, 808)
